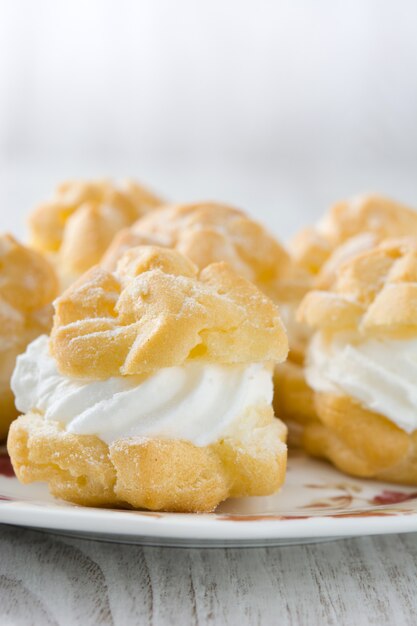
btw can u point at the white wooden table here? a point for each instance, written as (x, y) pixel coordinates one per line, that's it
(47, 580)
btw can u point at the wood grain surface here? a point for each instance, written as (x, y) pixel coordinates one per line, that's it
(48, 580)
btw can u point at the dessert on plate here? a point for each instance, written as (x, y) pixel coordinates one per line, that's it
(27, 287)
(362, 364)
(349, 228)
(154, 389)
(75, 227)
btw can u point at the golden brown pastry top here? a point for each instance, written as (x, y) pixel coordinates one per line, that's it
(374, 293)
(82, 218)
(350, 227)
(157, 310)
(210, 232)
(27, 287)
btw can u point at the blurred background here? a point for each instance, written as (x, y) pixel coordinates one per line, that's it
(279, 107)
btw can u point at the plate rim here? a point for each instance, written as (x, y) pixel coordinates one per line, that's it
(203, 527)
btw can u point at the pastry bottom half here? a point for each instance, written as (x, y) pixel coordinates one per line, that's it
(360, 442)
(293, 400)
(150, 473)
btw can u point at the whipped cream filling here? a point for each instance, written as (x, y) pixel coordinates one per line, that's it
(380, 373)
(199, 401)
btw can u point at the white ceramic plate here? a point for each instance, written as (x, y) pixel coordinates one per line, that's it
(316, 503)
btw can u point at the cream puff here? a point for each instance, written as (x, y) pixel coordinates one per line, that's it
(349, 228)
(75, 227)
(154, 389)
(27, 287)
(362, 364)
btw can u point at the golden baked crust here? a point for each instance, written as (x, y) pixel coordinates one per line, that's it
(373, 295)
(350, 227)
(293, 399)
(209, 233)
(156, 474)
(78, 223)
(371, 213)
(361, 442)
(156, 310)
(27, 287)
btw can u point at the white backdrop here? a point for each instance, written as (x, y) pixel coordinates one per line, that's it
(280, 107)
